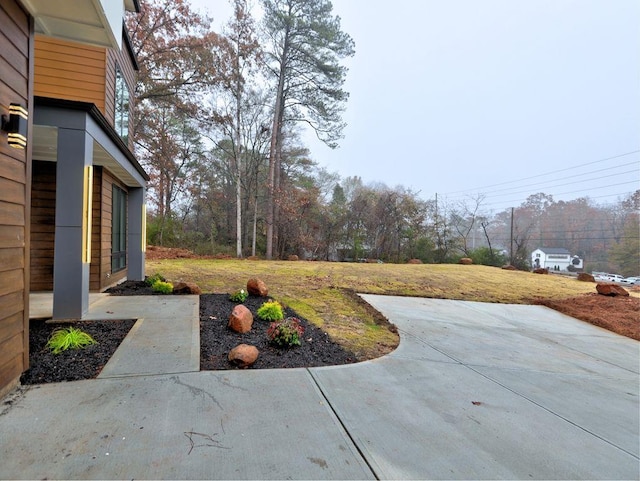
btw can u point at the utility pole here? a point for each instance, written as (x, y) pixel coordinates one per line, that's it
(511, 250)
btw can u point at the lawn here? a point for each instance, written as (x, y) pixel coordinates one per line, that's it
(324, 292)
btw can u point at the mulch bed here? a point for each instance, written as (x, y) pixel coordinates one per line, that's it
(73, 364)
(216, 340)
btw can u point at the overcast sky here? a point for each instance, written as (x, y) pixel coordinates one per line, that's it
(502, 97)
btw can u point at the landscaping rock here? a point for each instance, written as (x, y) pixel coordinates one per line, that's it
(584, 277)
(414, 261)
(293, 257)
(255, 287)
(243, 355)
(467, 261)
(187, 288)
(541, 270)
(240, 319)
(611, 290)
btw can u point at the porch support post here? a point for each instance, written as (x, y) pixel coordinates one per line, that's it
(136, 235)
(70, 273)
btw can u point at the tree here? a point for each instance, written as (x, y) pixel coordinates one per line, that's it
(306, 44)
(178, 58)
(242, 52)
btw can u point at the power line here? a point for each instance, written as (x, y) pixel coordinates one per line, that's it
(547, 173)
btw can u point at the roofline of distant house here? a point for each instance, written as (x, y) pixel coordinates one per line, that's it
(100, 119)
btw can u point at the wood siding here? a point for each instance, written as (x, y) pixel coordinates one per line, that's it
(43, 220)
(43, 228)
(16, 38)
(70, 71)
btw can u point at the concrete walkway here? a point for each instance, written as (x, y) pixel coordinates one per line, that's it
(475, 391)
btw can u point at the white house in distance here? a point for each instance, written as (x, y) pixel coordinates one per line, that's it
(555, 259)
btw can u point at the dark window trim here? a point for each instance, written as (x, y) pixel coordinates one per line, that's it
(119, 201)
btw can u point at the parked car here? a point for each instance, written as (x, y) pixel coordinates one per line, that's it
(604, 277)
(631, 281)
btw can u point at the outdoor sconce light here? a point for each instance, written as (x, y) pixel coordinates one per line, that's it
(87, 205)
(15, 125)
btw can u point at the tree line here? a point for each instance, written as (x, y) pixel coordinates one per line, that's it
(217, 126)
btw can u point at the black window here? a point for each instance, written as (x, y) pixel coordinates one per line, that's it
(118, 229)
(122, 106)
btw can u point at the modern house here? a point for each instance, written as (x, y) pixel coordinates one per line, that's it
(555, 259)
(72, 194)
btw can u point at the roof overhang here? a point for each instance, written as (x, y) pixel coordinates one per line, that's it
(96, 22)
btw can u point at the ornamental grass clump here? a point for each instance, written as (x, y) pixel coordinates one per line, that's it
(270, 311)
(162, 287)
(239, 296)
(151, 280)
(286, 333)
(69, 338)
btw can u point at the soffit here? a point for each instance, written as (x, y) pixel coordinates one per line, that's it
(83, 21)
(45, 147)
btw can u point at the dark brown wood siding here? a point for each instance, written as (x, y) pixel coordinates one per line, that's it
(43, 220)
(16, 37)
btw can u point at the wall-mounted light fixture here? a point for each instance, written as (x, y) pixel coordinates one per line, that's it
(15, 125)
(144, 228)
(87, 206)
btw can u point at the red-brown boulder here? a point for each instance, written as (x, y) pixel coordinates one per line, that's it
(240, 319)
(414, 261)
(243, 355)
(256, 287)
(467, 261)
(187, 288)
(293, 257)
(584, 277)
(611, 290)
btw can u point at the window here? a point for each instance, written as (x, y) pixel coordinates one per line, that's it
(118, 229)
(122, 106)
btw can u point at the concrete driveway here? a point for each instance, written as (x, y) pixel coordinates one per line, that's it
(475, 391)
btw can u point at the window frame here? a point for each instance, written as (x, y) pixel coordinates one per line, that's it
(119, 201)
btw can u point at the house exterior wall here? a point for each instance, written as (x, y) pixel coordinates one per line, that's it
(103, 277)
(71, 71)
(16, 73)
(43, 215)
(122, 60)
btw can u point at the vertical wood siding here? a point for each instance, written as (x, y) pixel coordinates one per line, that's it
(71, 71)
(15, 38)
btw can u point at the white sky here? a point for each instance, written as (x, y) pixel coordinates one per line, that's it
(459, 97)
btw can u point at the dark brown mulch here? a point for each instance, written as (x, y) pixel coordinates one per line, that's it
(216, 340)
(72, 365)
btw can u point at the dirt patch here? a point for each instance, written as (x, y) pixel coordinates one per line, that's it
(618, 314)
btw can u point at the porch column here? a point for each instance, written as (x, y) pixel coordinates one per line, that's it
(70, 271)
(135, 234)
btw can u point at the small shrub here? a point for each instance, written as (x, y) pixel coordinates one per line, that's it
(286, 333)
(69, 338)
(239, 296)
(162, 287)
(151, 280)
(270, 311)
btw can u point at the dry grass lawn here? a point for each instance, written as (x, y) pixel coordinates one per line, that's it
(324, 292)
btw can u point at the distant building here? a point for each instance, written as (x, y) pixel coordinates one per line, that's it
(555, 259)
